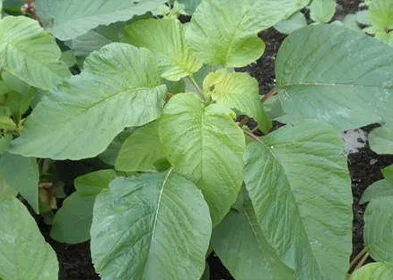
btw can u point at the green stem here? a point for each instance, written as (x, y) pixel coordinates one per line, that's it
(358, 257)
(195, 84)
(252, 136)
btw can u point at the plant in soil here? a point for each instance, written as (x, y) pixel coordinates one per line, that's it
(157, 111)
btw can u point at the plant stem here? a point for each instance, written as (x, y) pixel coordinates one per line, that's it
(252, 136)
(361, 262)
(244, 121)
(268, 95)
(357, 257)
(195, 84)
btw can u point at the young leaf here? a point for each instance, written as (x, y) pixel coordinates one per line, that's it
(24, 254)
(373, 271)
(72, 222)
(241, 246)
(237, 91)
(224, 32)
(334, 74)
(301, 192)
(165, 38)
(381, 188)
(21, 174)
(378, 225)
(205, 145)
(142, 228)
(294, 22)
(120, 87)
(30, 53)
(140, 150)
(68, 20)
(381, 140)
(322, 11)
(380, 14)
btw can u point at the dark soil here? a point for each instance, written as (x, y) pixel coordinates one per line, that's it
(365, 168)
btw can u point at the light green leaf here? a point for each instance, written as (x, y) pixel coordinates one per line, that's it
(378, 228)
(294, 22)
(72, 222)
(24, 254)
(21, 174)
(205, 145)
(165, 38)
(30, 53)
(93, 183)
(4, 143)
(6, 123)
(142, 228)
(243, 249)
(380, 14)
(381, 188)
(68, 20)
(6, 190)
(388, 173)
(381, 140)
(140, 150)
(237, 91)
(373, 271)
(190, 5)
(109, 156)
(301, 192)
(224, 32)
(322, 11)
(118, 88)
(68, 57)
(338, 75)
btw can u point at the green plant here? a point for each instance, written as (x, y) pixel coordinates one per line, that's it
(157, 101)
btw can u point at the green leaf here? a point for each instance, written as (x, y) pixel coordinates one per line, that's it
(381, 140)
(237, 91)
(140, 150)
(142, 228)
(72, 222)
(380, 14)
(93, 183)
(120, 87)
(68, 57)
(378, 228)
(373, 271)
(30, 53)
(6, 190)
(228, 36)
(388, 173)
(4, 143)
(24, 254)
(109, 156)
(68, 20)
(322, 11)
(165, 38)
(21, 174)
(190, 5)
(378, 189)
(7, 123)
(294, 22)
(205, 145)
(338, 75)
(243, 249)
(301, 192)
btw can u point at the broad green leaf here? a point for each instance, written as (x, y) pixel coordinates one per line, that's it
(140, 150)
(93, 183)
(24, 254)
(205, 145)
(6, 190)
(224, 32)
(388, 173)
(337, 75)
(72, 222)
(301, 192)
(380, 14)
(378, 189)
(206, 273)
(165, 38)
(237, 91)
(381, 140)
(378, 228)
(68, 57)
(243, 249)
(119, 87)
(109, 156)
(21, 174)
(4, 143)
(190, 5)
(322, 11)
(70, 19)
(30, 53)
(155, 226)
(373, 271)
(294, 22)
